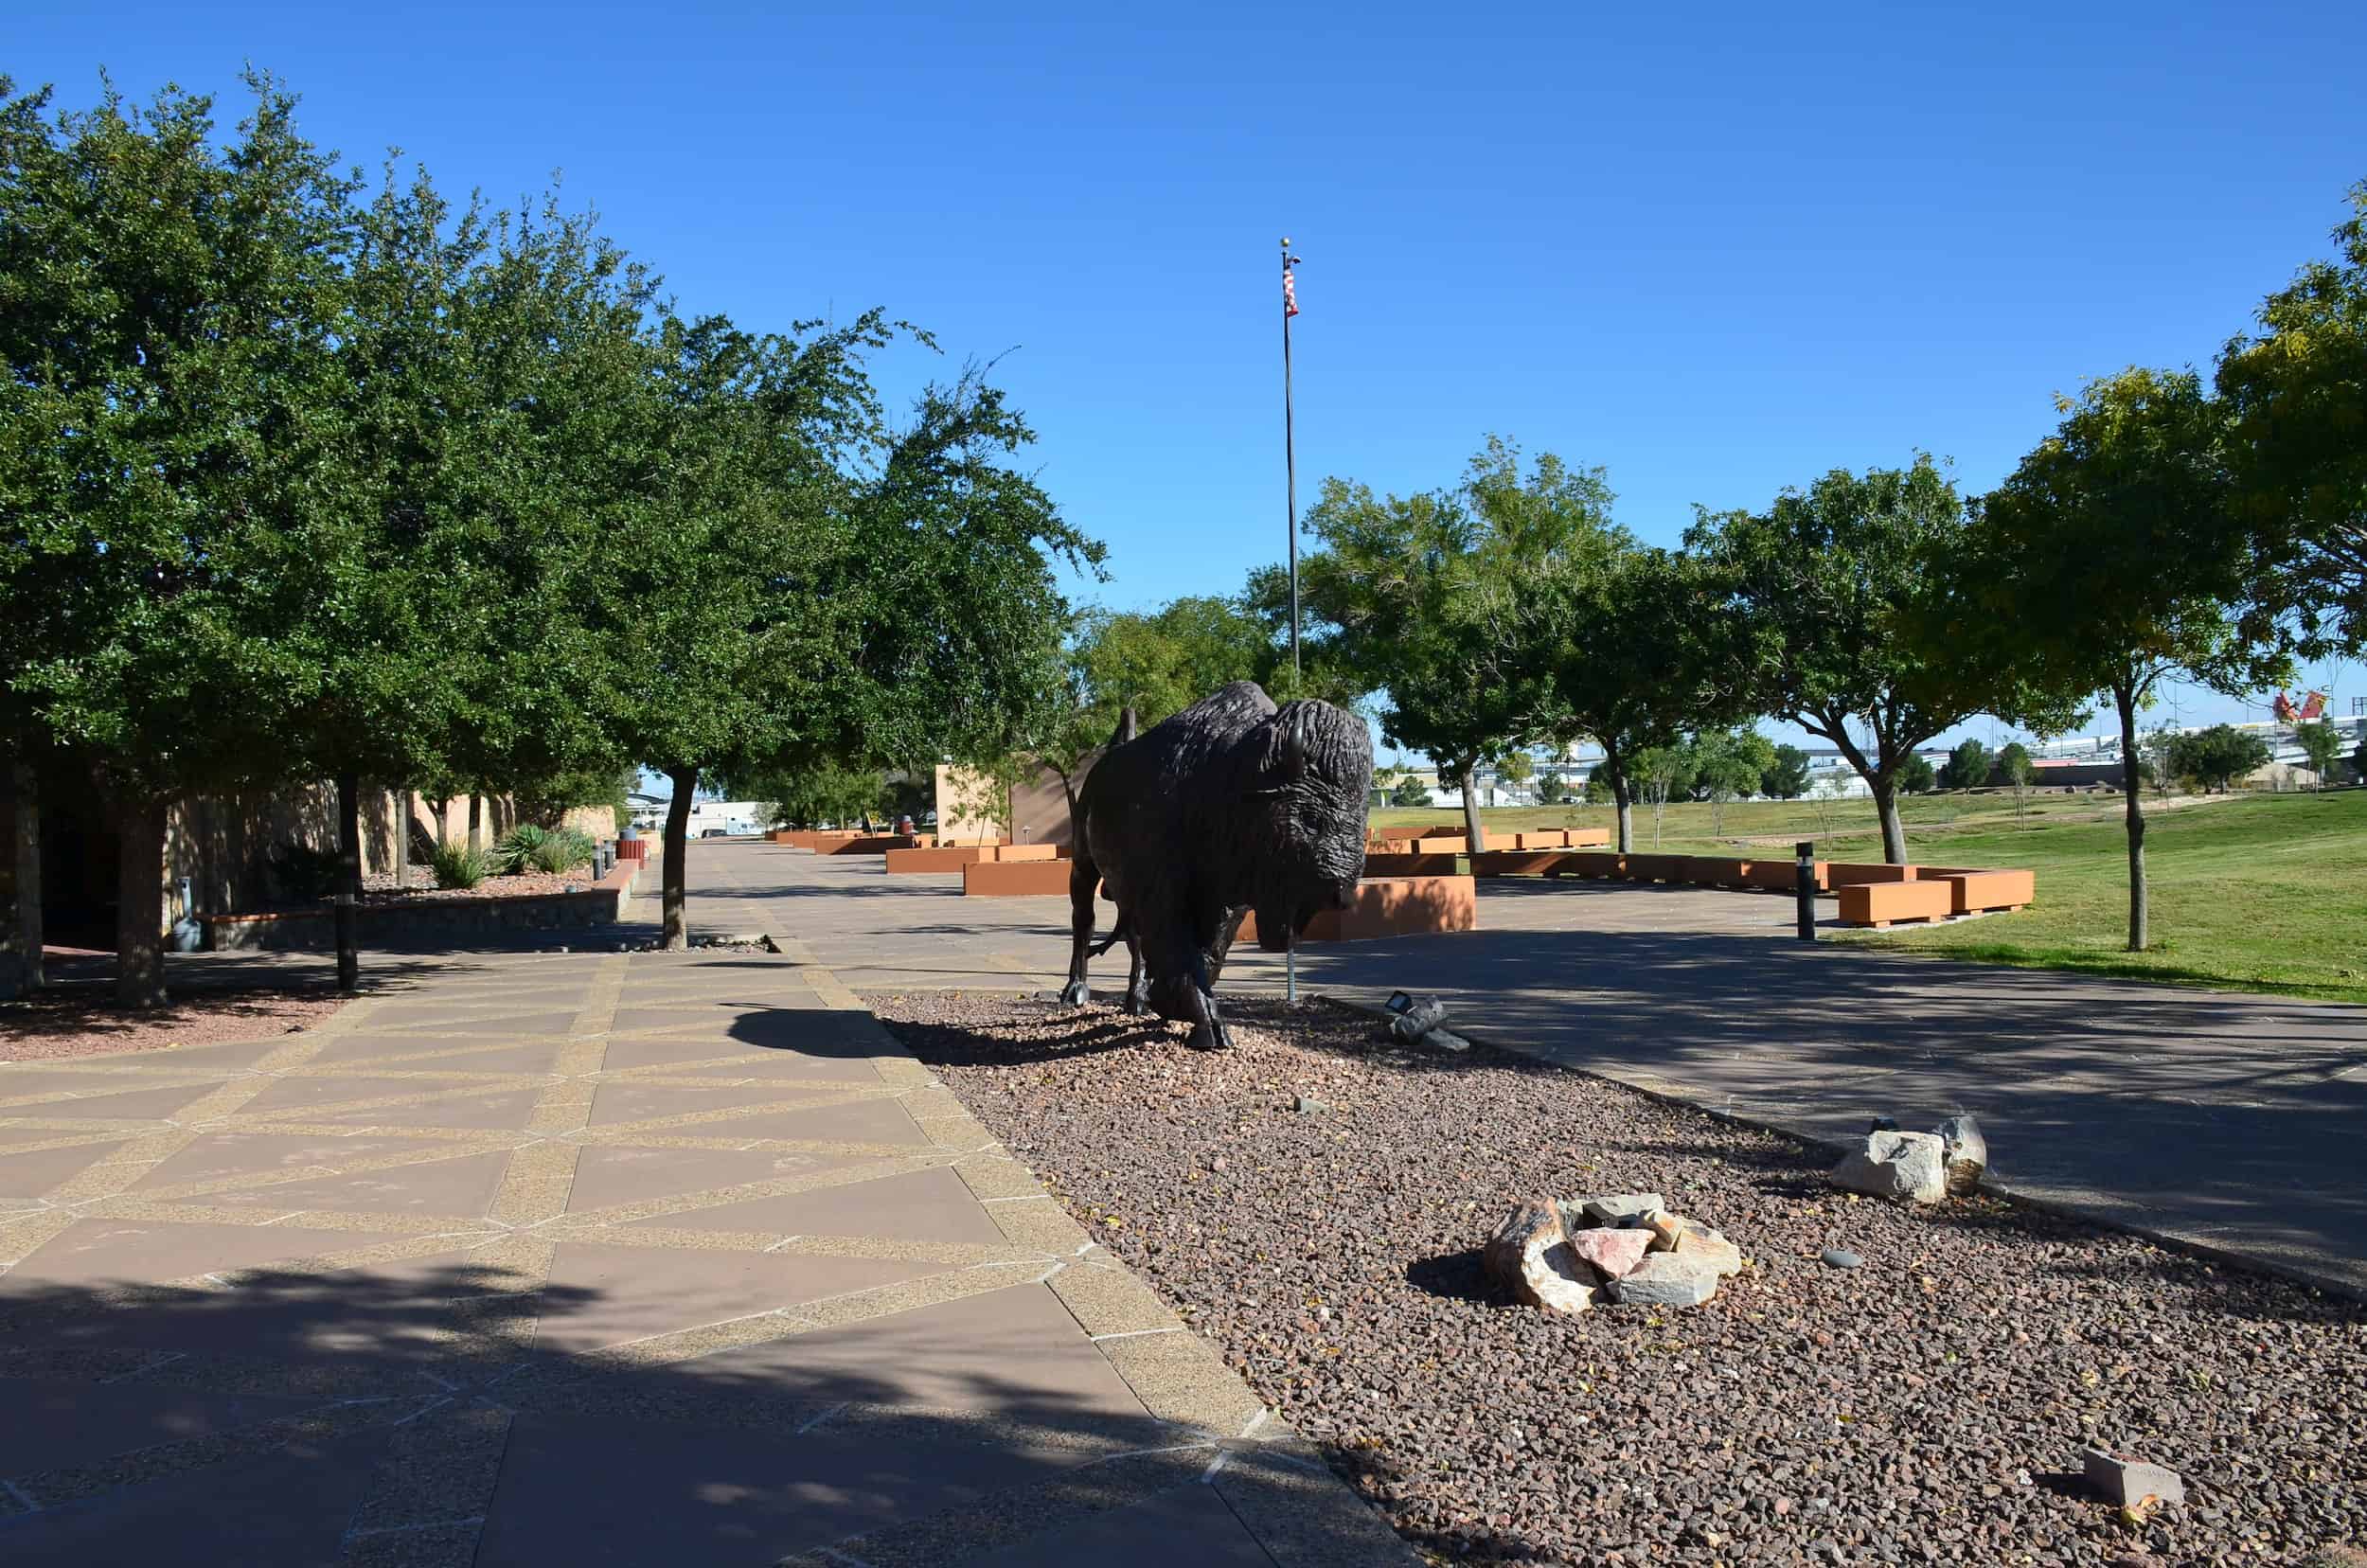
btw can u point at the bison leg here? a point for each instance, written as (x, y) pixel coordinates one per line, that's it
(1208, 1030)
(1137, 986)
(1082, 880)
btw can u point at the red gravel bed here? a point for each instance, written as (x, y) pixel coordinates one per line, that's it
(1928, 1407)
(84, 1020)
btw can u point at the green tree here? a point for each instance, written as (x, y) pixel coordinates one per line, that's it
(1834, 580)
(1728, 765)
(2321, 743)
(2109, 560)
(1658, 773)
(1967, 767)
(167, 436)
(2218, 756)
(1916, 776)
(2020, 770)
(1427, 599)
(2297, 394)
(1786, 777)
(1641, 649)
(1410, 792)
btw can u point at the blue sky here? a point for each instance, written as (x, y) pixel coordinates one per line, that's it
(1718, 251)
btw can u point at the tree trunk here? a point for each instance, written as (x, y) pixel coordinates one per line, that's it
(2125, 699)
(1622, 799)
(476, 815)
(139, 904)
(348, 881)
(441, 806)
(1476, 834)
(26, 918)
(403, 838)
(675, 896)
(1885, 788)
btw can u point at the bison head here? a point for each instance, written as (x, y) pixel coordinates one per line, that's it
(1308, 785)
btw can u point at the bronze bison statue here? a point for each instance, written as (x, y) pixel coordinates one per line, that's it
(1232, 805)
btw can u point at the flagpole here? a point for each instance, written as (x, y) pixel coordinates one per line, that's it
(1290, 495)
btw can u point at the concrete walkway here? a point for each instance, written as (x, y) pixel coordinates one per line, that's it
(535, 1258)
(2236, 1122)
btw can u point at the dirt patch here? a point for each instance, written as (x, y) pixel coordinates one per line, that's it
(84, 1020)
(1927, 1406)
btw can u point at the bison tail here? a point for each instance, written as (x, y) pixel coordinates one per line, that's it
(1125, 731)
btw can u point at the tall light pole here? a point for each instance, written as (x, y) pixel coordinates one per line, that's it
(1289, 447)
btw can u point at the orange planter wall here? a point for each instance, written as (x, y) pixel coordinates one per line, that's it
(1518, 862)
(1855, 873)
(1970, 890)
(1015, 879)
(877, 844)
(1389, 906)
(1008, 852)
(948, 858)
(1593, 862)
(1408, 864)
(1881, 904)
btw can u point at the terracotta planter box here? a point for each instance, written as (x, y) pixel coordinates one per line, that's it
(1591, 863)
(1550, 838)
(1389, 906)
(1710, 871)
(1783, 876)
(1016, 878)
(632, 849)
(877, 844)
(1882, 904)
(1010, 852)
(1442, 843)
(1856, 873)
(953, 858)
(1589, 838)
(1408, 864)
(1518, 862)
(1440, 832)
(1659, 867)
(1983, 890)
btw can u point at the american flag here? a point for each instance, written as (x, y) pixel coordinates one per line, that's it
(1289, 288)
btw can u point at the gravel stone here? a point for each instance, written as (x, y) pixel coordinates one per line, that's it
(1840, 1257)
(1613, 1254)
(1904, 1166)
(1668, 1279)
(1922, 1409)
(2129, 1483)
(1964, 1153)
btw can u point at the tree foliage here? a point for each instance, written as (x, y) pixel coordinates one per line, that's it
(2218, 756)
(1969, 766)
(2322, 743)
(2296, 393)
(2111, 559)
(1786, 777)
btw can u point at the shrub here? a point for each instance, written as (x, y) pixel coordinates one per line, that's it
(461, 865)
(515, 850)
(562, 850)
(303, 872)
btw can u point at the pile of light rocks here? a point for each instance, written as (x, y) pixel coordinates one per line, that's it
(1568, 1255)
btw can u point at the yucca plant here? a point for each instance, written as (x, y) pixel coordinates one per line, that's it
(516, 848)
(461, 865)
(560, 851)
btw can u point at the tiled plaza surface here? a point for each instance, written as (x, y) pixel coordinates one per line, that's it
(2226, 1120)
(593, 1259)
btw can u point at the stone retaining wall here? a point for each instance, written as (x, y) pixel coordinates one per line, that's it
(425, 921)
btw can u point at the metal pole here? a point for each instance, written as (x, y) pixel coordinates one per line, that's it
(1804, 881)
(1290, 460)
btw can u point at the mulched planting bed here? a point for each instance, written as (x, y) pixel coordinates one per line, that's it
(84, 1020)
(1929, 1406)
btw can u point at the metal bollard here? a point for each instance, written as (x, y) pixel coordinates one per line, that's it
(1804, 873)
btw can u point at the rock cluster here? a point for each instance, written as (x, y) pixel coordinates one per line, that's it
(1916, 1168)
(1563, 1254)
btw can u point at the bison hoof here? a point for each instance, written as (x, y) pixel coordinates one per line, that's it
(1076, 993)
(1138, 1002)
(1210, 1037)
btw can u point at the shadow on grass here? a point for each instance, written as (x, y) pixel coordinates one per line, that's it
(2113, 966)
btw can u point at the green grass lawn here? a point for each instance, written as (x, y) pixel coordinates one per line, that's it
(2260, 893)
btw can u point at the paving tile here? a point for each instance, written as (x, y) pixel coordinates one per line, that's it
(732, 1059)
(461, 1186)
(492, 1109)
(219, 1155)
(471, 1022)
(31, 1175)
(1188, 1528)
(628, 1101)
(1015, 1353)
(603, 1493)
(284, 1510)
(55, 1423)
(91, 1252)
(919, 1205)
(601, 1296)
(877, 1120)
(397, 1055)
(135, 1104)
(608, 1176)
